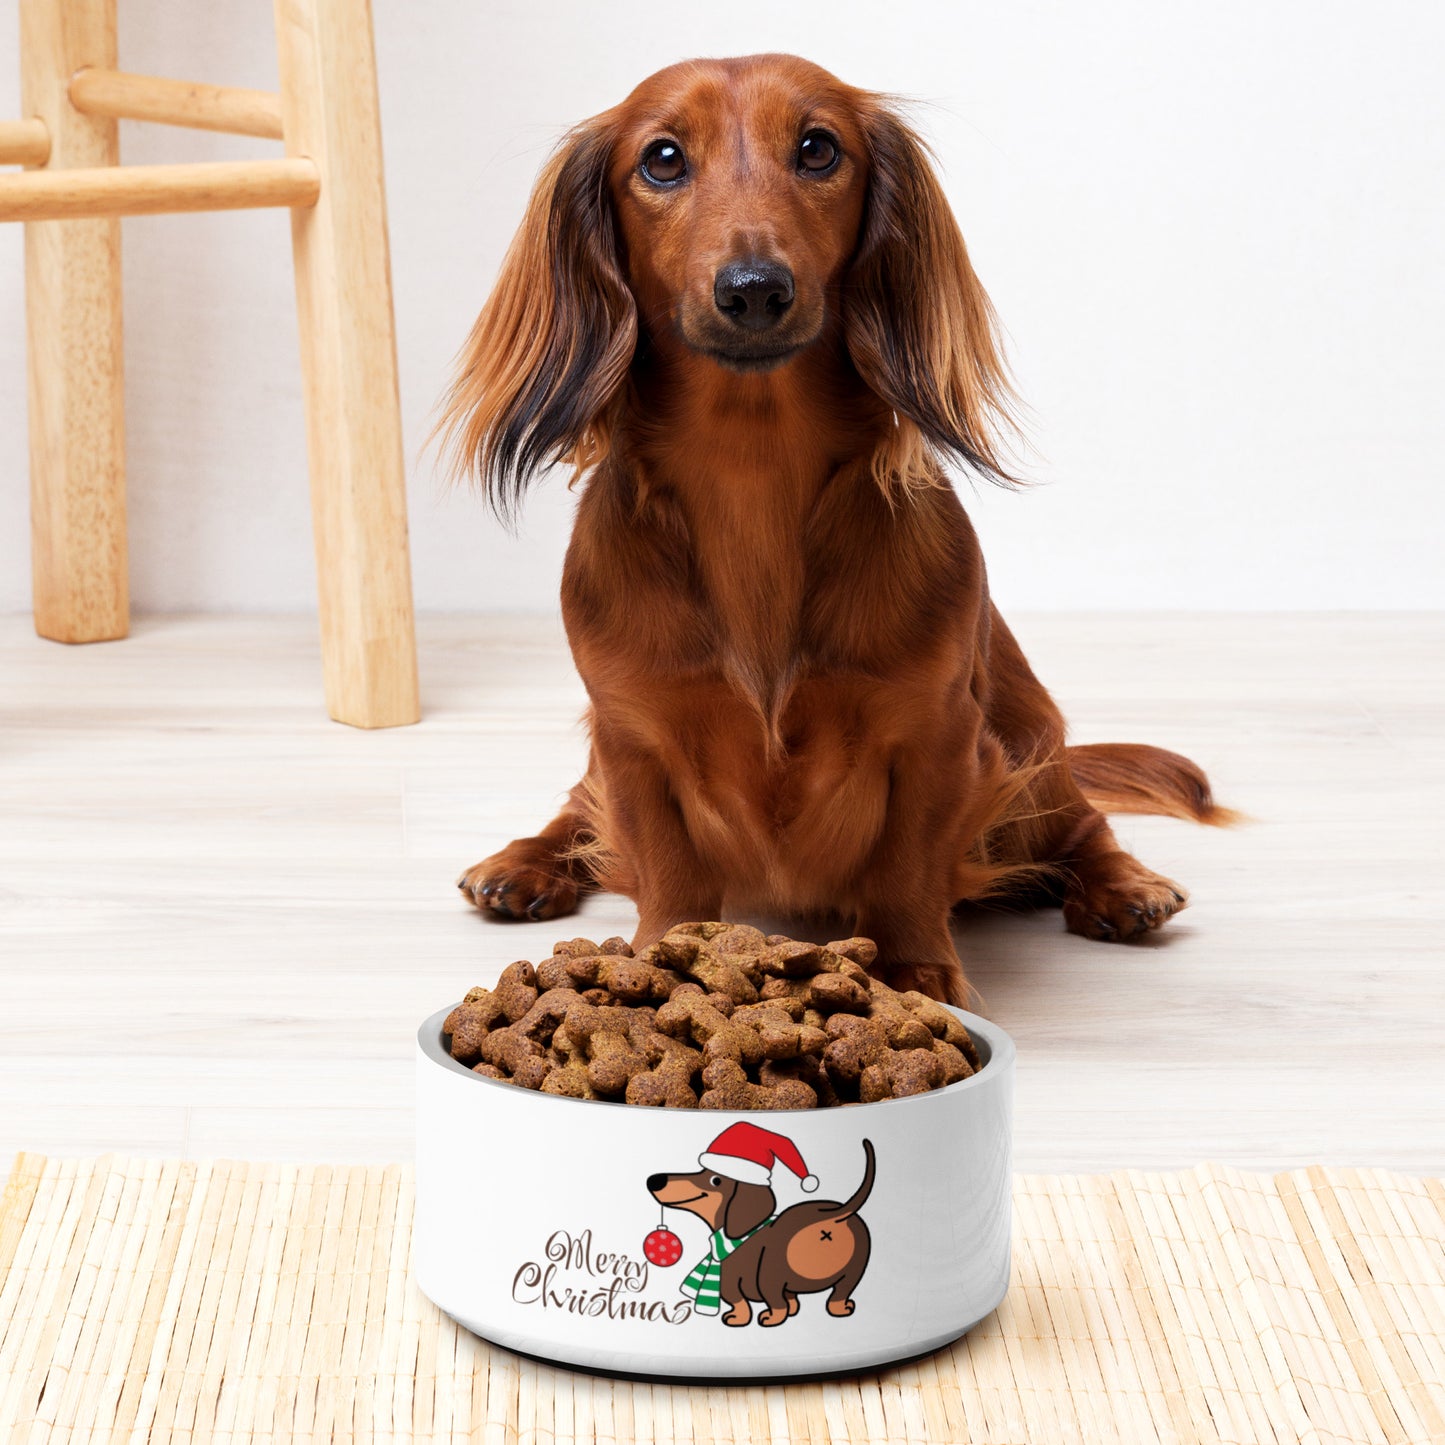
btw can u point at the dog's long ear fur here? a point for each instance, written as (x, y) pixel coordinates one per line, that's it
(919, 325)
(550, 350)
(749, 1206)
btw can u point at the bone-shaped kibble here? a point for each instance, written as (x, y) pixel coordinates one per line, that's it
(832, 993)
(776, 990)
(780, 1036)
(541, 1020)
(668, 1083)
(726, 1086)
(720, 1001)
(806, 1069)
(705, 931)
(691, 1017)
(629, 980)
(603, 1034)
(797, 960)
(717, 973)
(899, 1074)
(738, 938)
(516, 989)
(768, 1021)
(570, 1081)
(471, 1021)
(552, 973)
(855, 1045)
(955, 1063)
(904, 1030)
(940, 1023)
(522, 1058)
(575, 947)
(791, 1005)
(862, 951)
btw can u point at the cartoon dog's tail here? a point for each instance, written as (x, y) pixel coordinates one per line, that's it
(863, 1190)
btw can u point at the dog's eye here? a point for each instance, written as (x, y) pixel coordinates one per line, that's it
(714, 1181)
(817, 153)
(664, 162)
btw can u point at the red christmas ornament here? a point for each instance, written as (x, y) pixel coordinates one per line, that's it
(662, 1247)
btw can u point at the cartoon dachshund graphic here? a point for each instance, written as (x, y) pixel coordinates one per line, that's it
(759, 1256)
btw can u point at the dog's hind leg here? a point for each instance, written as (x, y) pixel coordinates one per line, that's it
(543, 876)
(1105, 891)
(840, 1297)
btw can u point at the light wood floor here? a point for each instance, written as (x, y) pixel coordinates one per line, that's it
(222, 916)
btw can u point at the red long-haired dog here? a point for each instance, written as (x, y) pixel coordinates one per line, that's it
(740, 307)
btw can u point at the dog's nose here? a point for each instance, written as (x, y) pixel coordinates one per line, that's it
(655, 1182)
(754, 294)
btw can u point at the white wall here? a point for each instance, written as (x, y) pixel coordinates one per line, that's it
(1213, 230)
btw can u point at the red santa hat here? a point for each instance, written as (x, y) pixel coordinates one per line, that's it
(747, 1153)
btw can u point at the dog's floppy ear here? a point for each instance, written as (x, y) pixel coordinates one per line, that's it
(919, 325)
(553, 343)
(749, 1206)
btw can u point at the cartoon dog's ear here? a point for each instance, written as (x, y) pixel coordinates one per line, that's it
(919, 325)
(552, 345)
(749, 1206)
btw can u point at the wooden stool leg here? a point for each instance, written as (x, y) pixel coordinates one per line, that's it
(72, 295)
(348, 358)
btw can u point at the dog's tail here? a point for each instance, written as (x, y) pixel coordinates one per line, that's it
(1135, 778)
(851, 1208)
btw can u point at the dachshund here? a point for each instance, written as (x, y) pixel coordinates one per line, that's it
(740, 308)
(817, 1245)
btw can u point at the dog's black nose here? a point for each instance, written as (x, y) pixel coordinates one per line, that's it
(755, 294)
(655, 1182)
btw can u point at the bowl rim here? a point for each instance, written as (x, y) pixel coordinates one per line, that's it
(1001, 1054)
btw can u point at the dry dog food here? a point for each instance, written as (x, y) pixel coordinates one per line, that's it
(713, 1016)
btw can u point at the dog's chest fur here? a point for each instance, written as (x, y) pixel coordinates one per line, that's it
(776, 658)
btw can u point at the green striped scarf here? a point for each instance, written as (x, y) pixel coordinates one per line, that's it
(704, 1283)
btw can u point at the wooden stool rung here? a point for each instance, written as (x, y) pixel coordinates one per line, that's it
(122, 96)
(62, 195)
(24, 142)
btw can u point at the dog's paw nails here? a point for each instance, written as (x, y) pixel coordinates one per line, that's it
(1122, 902)
(519, 890)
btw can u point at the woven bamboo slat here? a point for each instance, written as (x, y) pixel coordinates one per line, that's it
(159, 1300)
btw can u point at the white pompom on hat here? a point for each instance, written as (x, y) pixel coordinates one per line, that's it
(748, 1154)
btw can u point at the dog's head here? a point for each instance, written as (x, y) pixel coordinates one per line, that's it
(732, 216)
(721, 1203)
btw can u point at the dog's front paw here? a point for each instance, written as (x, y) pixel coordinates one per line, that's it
(1116, 899)
(513, 884)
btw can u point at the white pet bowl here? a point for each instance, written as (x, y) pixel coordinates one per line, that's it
(532, 1211)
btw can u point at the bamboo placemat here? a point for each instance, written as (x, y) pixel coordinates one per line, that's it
(150, 1300)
